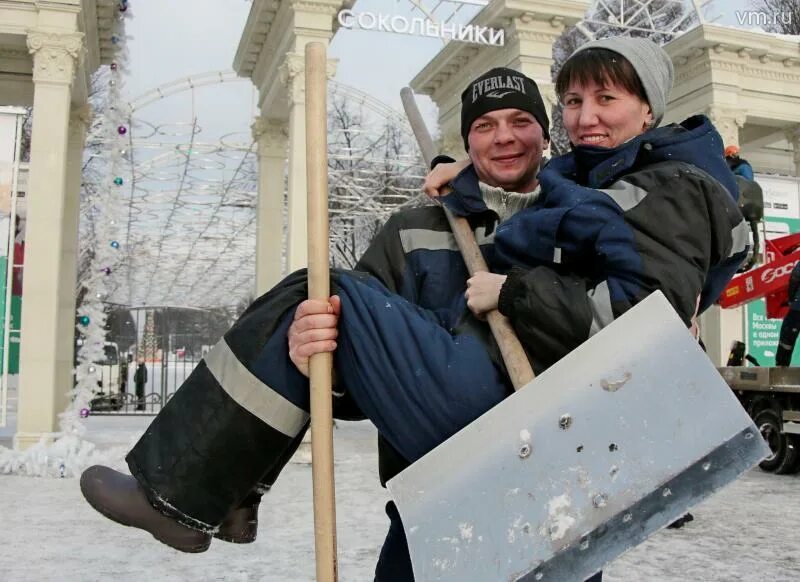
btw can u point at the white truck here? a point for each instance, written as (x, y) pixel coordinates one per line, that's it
(109, 369)
(111, 385)
(771, 395)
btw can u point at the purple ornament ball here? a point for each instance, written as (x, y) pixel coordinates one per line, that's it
(84, 412)
(122, 130)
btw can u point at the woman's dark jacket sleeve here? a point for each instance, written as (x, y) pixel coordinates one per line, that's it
(665, 227)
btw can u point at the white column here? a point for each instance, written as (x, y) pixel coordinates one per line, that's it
(529, 48)
(720, 327)
(68, 274)
(452, 144)
(46, 352)
(271, 137)
(293, 75)
(728, 123)
(793, 137)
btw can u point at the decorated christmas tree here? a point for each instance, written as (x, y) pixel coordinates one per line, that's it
(149, 349)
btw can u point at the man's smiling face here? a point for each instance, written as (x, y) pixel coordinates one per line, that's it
(505, 147)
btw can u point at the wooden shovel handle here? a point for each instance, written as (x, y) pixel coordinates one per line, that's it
(320, 365)
(514, 357)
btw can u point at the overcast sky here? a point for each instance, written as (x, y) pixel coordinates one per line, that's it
(173, 39)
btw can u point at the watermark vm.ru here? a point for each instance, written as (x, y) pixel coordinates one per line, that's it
(762, 17)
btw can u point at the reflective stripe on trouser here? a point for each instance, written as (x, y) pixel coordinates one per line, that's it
(195, 467)
(402, 369)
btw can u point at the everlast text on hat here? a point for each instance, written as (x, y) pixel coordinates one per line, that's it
(497, 87)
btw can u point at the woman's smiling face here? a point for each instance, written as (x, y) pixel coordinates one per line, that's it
(604, 116)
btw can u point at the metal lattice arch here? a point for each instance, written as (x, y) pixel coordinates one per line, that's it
(190, 204)
(200, 234)
(602, 17)
(652, 18)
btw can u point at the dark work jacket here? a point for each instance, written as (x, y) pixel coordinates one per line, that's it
(610, 227)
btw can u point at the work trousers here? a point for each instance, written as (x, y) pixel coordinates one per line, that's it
(240, 415)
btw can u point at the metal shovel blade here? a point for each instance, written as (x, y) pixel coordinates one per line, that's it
(612, 443)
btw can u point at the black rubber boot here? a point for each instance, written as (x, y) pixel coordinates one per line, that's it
(241, 525)
(120, 498)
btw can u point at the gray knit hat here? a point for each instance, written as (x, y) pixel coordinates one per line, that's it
(650, 62)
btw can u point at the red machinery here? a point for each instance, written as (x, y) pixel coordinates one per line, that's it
(770, 280)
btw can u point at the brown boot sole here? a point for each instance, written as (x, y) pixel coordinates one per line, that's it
(234, 539)
(240, 527)
(187, 549)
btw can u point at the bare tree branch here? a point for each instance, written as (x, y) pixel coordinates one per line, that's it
(781, 16)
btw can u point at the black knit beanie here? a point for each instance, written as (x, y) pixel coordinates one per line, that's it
(501, 88)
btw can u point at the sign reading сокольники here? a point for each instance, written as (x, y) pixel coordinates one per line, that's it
(429, 22)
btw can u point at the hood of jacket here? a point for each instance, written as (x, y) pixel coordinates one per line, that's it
(694, 141)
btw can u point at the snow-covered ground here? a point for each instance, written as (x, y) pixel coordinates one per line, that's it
(748, 532)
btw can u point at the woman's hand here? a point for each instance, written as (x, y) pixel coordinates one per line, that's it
(441, 176)
(483, 292)
(313, 331)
